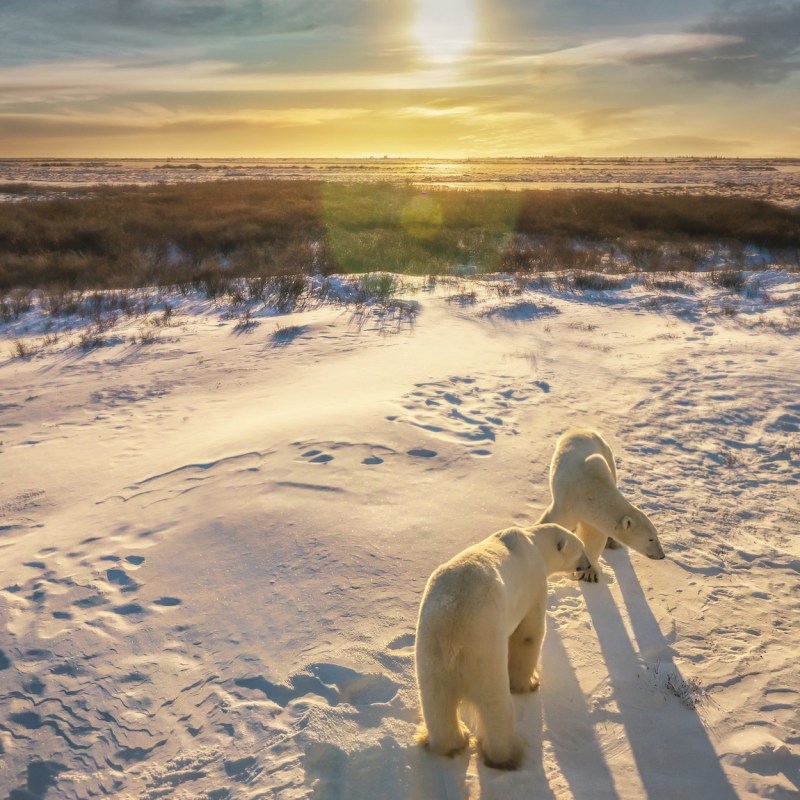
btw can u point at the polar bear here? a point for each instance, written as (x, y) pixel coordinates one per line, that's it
(583, 482)
(479, 636)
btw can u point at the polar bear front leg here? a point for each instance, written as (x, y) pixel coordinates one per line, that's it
(593, 543)
(524, 649)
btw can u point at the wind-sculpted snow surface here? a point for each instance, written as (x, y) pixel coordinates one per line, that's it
(213, 548)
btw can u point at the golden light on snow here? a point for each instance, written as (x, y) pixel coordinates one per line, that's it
(444, 29)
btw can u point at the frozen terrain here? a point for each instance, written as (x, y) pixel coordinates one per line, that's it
(215, 529)
(775, 180)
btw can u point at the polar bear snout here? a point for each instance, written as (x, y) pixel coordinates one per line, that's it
(654, 550)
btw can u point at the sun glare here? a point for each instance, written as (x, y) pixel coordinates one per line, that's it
(444, 28)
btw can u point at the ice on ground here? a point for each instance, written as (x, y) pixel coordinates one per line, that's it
(776, 180)
(213, 543)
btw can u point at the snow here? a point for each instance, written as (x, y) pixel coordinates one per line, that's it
(213, 544)
(775, 180)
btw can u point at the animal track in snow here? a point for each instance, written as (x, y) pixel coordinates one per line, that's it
(124, 395)
(58, 595)
(316, 457)
(466, 410)
(325, 452)
(167, 601)
(65, 598)
(336, 684)
(421, 452)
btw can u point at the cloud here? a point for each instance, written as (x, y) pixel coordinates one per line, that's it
(683, 146)
(144, 119)
(628, 50)
(91, 78)
(523, 19)
(168, 17)
(471, 115)
(608, 119)
(54, 30)
(764, 45)
(546, 76)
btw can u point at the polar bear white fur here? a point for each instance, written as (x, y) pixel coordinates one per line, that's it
(479, 636)
(583, 482)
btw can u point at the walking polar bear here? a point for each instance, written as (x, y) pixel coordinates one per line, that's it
(583, 482)
(479, 636)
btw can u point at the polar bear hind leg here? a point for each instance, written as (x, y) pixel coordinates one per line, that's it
(524, 649)
(593, 542)
(442, 732)
(498, 741)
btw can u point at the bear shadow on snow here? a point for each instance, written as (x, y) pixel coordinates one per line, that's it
(566, 713)
(671, 749)
(531, 780)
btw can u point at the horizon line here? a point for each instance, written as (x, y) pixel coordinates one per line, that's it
(387, 157)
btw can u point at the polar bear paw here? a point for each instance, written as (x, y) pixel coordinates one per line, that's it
(509, 758)
(451, 748)
(526, 687)
(591, 575)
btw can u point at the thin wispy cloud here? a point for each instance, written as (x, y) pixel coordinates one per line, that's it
(508, 77)
(768, 47)
(630, 50)
(92, 77)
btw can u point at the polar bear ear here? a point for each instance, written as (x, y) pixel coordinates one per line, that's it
(626, 523)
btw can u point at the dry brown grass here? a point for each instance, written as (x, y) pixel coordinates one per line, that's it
(202, 235)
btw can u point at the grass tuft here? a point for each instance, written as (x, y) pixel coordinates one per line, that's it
(22, 349)
(688, 691)
(285, 292)
(595, 281)
(285, 334)
(730, 279)
(245, 322)
(147, 336)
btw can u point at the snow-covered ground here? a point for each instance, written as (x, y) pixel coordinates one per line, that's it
(216, 530)
(775, 180)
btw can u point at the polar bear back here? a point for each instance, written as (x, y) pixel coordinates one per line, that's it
(583, 480)
(572, 449)
(575, 446)
(498, 578)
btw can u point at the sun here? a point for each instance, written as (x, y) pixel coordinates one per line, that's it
(444, 29)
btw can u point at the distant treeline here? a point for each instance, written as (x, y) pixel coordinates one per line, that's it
(131, 236)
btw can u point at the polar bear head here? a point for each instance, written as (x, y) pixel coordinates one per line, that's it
(623, 520)
(562, 551)
(635, 530)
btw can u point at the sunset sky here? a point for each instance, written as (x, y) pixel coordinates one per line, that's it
(440, 78)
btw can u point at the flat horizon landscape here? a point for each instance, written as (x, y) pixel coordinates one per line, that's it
(776, 180)
(250, 406)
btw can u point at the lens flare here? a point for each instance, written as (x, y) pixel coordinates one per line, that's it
(421, 217)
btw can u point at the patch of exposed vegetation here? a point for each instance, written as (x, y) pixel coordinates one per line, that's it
(205, 235)
(730, 279)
